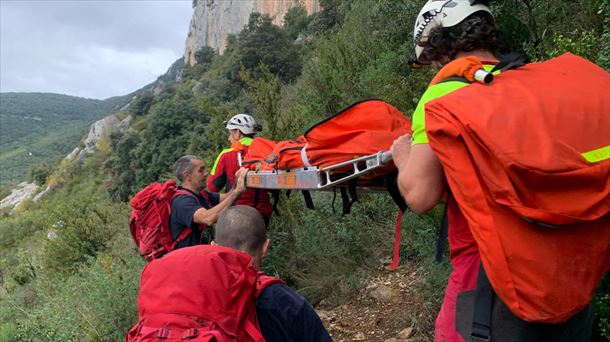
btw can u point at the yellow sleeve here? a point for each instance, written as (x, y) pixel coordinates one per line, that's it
(419, 117)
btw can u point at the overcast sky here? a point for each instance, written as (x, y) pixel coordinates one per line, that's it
(89, 48)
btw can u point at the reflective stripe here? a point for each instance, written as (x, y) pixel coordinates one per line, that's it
(597, 155)
(246, 141)
(435, 91)
(218, 159)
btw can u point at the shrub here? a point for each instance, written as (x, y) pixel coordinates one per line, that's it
(84, 226)
(96, 304)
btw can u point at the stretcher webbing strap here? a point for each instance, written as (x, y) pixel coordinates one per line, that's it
(349, 196)
(304, 156)
(276, 200)
(308, 200)
(345, 200)
(397, 238)
(392, 187)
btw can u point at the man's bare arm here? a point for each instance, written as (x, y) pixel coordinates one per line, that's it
(420, 175)
(210, 216)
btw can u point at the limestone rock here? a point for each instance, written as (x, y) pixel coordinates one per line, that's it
(213, 20)
(385, 294)
(107, 125)
(42, 193)
(405, 333)
(359, 337)
(73, 154)
(21, 193)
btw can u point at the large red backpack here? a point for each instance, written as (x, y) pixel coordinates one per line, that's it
(199, 293)
(527, 159)
(149, 221)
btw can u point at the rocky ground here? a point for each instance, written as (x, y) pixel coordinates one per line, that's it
(387, 308)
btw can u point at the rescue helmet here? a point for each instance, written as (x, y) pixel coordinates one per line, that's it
(245, 123)
(442, 13)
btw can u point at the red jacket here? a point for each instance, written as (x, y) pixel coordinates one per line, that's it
(223, 176)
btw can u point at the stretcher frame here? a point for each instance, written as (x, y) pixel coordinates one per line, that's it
(316, 178)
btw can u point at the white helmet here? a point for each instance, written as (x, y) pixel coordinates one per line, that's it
(245, 123)
(443, 13)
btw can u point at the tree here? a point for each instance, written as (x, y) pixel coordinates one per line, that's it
(262, 42)
(296, 21)
(142, 103)
(39, 173)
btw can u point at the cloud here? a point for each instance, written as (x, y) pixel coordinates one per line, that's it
(95, 49)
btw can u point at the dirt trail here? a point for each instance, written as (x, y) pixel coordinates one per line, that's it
(386, 309)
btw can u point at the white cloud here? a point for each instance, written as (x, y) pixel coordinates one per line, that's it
(92, 49)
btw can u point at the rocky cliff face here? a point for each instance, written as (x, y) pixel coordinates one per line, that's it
(107, 125)
(214, 19)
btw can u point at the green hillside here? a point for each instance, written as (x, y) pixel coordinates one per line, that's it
(42, 128)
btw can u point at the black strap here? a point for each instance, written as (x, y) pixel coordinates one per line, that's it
(308, 200)
(345, 200)
(511, 61)
(332, 205)
(349, 195)
(392, 186)
(256, 194)
(443, 234)
(276, 200)
(481, 323)
(351, 187)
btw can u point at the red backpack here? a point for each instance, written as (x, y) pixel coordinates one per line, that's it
(527, 159)
(149, 221)
(199, 293)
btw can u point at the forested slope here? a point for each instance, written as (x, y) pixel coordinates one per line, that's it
(69, 270)
(41, 128)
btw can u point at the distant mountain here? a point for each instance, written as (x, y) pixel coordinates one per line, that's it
(44, 127)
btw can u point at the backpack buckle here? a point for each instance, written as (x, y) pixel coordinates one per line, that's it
(162, 333)
(476, 338)
(191, 333)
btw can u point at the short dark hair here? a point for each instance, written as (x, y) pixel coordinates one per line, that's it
(241, 227)
(477, 31)
(182, 165)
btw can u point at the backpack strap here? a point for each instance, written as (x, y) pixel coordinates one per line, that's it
(188, 230)
(481, 323)
(253, 331)
(512, 60)
(265, 281)
(443, 235)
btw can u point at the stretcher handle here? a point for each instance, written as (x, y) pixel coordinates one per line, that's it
(386, 156)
